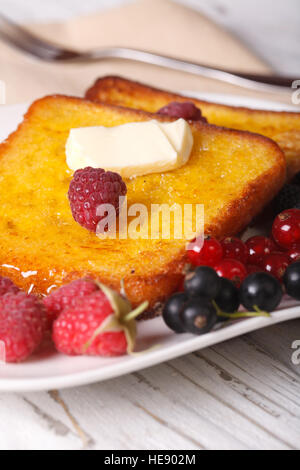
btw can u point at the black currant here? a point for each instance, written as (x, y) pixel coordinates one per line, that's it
(171, 312)
(203, 282)
(287, 198)
(198, 316)
(228, 297)
(291, 280)
(260, 290)
(296, 179)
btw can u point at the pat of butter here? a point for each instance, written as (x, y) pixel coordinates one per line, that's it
(131, 149)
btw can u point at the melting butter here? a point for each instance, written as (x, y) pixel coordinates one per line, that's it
(131, 149)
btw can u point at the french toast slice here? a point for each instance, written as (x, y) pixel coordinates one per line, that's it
(283, 127)
(234, 174)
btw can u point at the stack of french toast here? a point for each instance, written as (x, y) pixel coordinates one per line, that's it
(240, 159)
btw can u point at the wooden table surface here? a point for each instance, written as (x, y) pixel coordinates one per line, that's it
(242, 394)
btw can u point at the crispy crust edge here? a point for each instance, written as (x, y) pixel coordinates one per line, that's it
(113, 81)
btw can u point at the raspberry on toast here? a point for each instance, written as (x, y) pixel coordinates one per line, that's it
(283, 127)
(234, 174)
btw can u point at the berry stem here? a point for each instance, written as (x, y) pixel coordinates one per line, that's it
(122, 290)
(136, 312)
(236, 315)
(261, 312)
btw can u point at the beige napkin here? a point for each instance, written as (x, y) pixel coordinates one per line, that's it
(158, 25)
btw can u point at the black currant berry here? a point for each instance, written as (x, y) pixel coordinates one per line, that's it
(171, 312)
(291, 280)
(228, 297)
(287, 198)
(204, 282)
(262, 291)
(198, 316)
(296, 179)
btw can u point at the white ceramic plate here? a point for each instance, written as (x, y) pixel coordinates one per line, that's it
(49, 370)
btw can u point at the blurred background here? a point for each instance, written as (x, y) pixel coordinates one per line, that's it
(271, 28)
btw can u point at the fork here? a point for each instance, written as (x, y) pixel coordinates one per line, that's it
(30, 43)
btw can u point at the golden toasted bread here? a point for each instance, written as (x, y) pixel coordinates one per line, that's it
(283, 127)
(234, 174)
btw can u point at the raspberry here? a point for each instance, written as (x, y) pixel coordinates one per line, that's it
(76, 326)
(68, 296)
(90, 188)
(22, 325)
(187, 111)
(102, 324)
(7, 286)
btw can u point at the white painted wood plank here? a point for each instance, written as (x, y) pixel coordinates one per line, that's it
(272, 413)
(230, 417)
(257, 388)
(24, 426)
(272, 373)
(233, 396)
(277, 342)
(118, 416)
(211, 399)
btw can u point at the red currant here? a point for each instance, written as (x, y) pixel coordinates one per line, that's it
(258, 247)
(251, 269)
(294, 253)
(276, 264)
(209, 254)
(233, 270)
(234, 248)
(286, 228)
(293, 212)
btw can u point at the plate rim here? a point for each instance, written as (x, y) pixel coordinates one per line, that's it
(147, 360)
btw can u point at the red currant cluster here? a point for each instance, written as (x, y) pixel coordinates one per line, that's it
(235, 260)
(230, 273)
